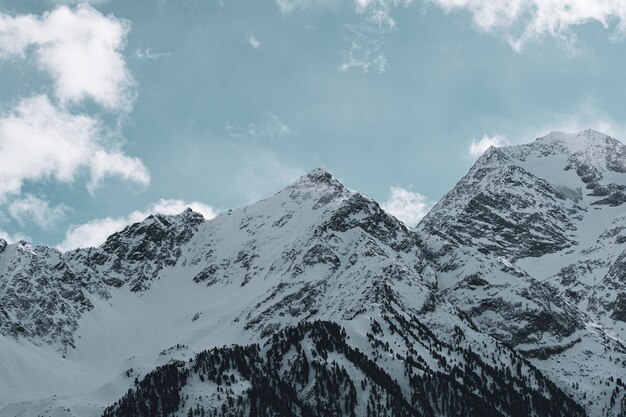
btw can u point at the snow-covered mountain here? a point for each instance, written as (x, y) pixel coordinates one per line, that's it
(317, 302)
(528, 245)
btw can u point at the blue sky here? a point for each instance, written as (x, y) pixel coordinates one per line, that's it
(115, 109)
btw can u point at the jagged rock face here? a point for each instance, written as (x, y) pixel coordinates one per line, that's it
(502, 209)
(41, 298)
(137, 254)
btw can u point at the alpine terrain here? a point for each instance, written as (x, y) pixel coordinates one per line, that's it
(508, 299)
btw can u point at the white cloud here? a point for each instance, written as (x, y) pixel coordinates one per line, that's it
(79, 47)
(170, 207)
(79, 1)
(478, 147)
(40, 141)
(520, 21)
(148, 54)
(32, 208)
(253, 41)
(95, 232)
(288, 6)
(407, 206)
(13, 237)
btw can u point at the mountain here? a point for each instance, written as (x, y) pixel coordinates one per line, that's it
(317, 302)
(528, 245)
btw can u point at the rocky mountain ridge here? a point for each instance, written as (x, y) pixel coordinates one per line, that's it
(507, 296)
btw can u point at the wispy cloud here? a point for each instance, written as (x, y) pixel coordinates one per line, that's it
(273, 128)
(148, 54)
(288, 6)
(78, 1)
(95, 232)
(367, 37)
(407, 206)
(366, 49)
(253, 41)
(478, 147)
(30, 208)
(260, 170)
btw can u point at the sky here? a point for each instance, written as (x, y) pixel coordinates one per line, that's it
(112, 109)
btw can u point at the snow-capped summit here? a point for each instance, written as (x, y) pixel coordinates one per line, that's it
(318, 176)
(588, 160)
(583, 140)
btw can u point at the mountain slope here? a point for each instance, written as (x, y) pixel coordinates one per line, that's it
(312, 370)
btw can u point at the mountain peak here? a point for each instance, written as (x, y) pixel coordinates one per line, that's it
(319, 175)
(318, 179)
(579, 141)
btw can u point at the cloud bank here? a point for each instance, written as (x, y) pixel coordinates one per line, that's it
(521, 21)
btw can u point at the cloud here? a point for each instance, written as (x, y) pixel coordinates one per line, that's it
(32, 208)
(366, 48)
(253, 41)
(95, 232)
(273, 128)
(477, 148)
(261, 171)
(79, 47)
(78, 1)
(13, 237)
(288, 6)
(366, 38)
(520, 21)
(148, 54)
(40, 141)
(407, 206)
